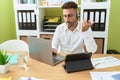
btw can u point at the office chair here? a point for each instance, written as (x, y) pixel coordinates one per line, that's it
(16, 46)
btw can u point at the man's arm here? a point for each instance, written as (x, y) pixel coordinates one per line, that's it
(55, 41)
(89, 41)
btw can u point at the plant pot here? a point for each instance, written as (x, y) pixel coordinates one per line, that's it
(4, 68)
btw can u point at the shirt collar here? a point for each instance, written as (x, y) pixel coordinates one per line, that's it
(78, 26)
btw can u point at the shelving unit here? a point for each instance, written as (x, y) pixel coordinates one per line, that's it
(42, 11)
(99, 13)
(26, 18)
(33, 26)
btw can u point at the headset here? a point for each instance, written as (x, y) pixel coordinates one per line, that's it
(77, 14)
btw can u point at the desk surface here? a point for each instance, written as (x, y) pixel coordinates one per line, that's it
(45, 71)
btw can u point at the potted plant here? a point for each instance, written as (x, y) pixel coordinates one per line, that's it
(4, 62)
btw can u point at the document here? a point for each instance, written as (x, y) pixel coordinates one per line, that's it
(53, 2)
(9, 78)
(13, 58)
(104, 62)
(29, 78)
(105, 75)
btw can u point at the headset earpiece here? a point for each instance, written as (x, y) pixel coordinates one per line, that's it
(76, 16)
(77, 13)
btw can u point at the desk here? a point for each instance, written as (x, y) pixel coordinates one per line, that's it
(45, 71)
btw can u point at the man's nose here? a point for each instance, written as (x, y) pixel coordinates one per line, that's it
(67, 18)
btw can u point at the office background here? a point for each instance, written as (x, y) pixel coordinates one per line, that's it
(8, 31)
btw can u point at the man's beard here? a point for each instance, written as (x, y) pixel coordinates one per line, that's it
(70, 24)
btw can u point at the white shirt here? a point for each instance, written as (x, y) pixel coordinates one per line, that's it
(64, 40)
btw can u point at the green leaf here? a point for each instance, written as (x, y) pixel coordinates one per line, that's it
(4, 58)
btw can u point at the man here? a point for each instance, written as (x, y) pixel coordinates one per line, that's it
(72, 36)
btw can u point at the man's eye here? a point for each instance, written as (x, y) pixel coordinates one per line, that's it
(70, 15)
(65, 16)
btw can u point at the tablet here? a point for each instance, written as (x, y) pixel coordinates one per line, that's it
(77, 62)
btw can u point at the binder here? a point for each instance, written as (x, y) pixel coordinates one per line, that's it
(98, 16)
(103, 20)
(21, 1)
(33, 18)
(20, 20)
(78, 62)
(91, 16)
(26, 20)
(32, 1)
(85, 15)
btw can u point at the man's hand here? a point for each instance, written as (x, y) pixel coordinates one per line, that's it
(86, 24)
(54, 51)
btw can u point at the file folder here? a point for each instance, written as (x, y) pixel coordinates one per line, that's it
(98, 16)
(26, 20)
(78, 62)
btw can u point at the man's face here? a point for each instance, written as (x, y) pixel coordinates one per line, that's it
(70, 17)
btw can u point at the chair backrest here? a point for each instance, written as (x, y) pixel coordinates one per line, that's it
(14, 46)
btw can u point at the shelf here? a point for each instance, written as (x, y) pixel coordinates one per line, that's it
(28, 32)
(96, 5)
(49, 30)
(99, 34)
(54, 6)
(49, 6)
(46, 33)
(25, 7)
(48, 25)
(25, 1)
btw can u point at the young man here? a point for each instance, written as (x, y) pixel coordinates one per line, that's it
(72, 36)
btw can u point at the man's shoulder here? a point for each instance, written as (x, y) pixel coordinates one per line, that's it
(62, 25)
(61, 28)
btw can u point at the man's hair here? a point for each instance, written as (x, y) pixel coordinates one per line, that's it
(69, 5)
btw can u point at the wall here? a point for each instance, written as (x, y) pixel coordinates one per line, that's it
(114, 26)
(7, 23)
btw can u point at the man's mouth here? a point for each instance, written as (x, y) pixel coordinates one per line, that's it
(69, 24)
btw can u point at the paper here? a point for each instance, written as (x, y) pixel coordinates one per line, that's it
(29, 78)
(53, 2)
(9, 78)
(104, 62)
(14, 58)
(105, 75)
